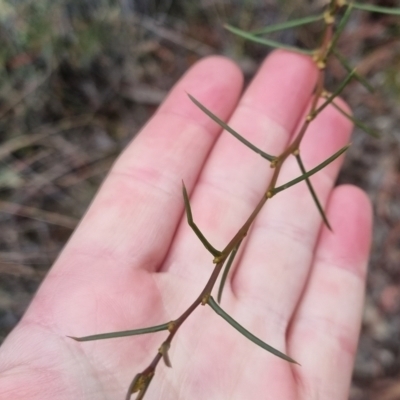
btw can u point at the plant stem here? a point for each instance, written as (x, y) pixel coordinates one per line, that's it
(320, 57)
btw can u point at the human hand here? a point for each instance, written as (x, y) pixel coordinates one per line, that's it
(133, 261)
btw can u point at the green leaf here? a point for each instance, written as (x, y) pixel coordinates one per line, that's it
(226, 271)
(313, 194)
(222, 124)
(118, 334)
(294, 23)
(266, 42)
(195, 228)
(356, 122)
(348, 68)
(376, 9)
(213, 304)
(311, 172)
(335, 93)
(341, 26)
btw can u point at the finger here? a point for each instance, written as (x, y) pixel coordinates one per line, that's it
(325, 329)
(235, 177)
(134, 216)
(98, 278)
(276, 261)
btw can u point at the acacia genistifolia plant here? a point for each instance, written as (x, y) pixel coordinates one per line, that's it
(334, 17)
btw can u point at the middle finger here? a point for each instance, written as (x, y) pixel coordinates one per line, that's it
(234, 177)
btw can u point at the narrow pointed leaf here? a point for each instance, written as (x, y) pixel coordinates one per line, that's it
(195, 228)
(377, 9)
(313, 194)
(222, 124)
(294, 23)
(335, 94)
(341, 26)
(226, 271)
(118, 334)
(356, 122)
(348, 68)
(213, 304)
(311, 172)
(266, 42)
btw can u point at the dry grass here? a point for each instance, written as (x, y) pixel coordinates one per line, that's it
(79, 79)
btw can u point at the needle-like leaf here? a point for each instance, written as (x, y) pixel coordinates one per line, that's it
(313, 194)
(348, 68)
(341, 26)
(294, 23)
(311, 172)
(377, 9)
(226, 271)
(118, 334)
(222, 124)
(356, 122)
(335, 94)
(213, 304)
(266, 42)
(195, 228)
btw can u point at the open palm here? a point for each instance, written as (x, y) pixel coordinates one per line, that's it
(133, 262)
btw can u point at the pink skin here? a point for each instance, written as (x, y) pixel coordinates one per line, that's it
(134, 262)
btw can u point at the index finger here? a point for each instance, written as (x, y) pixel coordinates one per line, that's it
(134, 216)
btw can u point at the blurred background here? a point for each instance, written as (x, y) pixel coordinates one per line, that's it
(78, 78)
